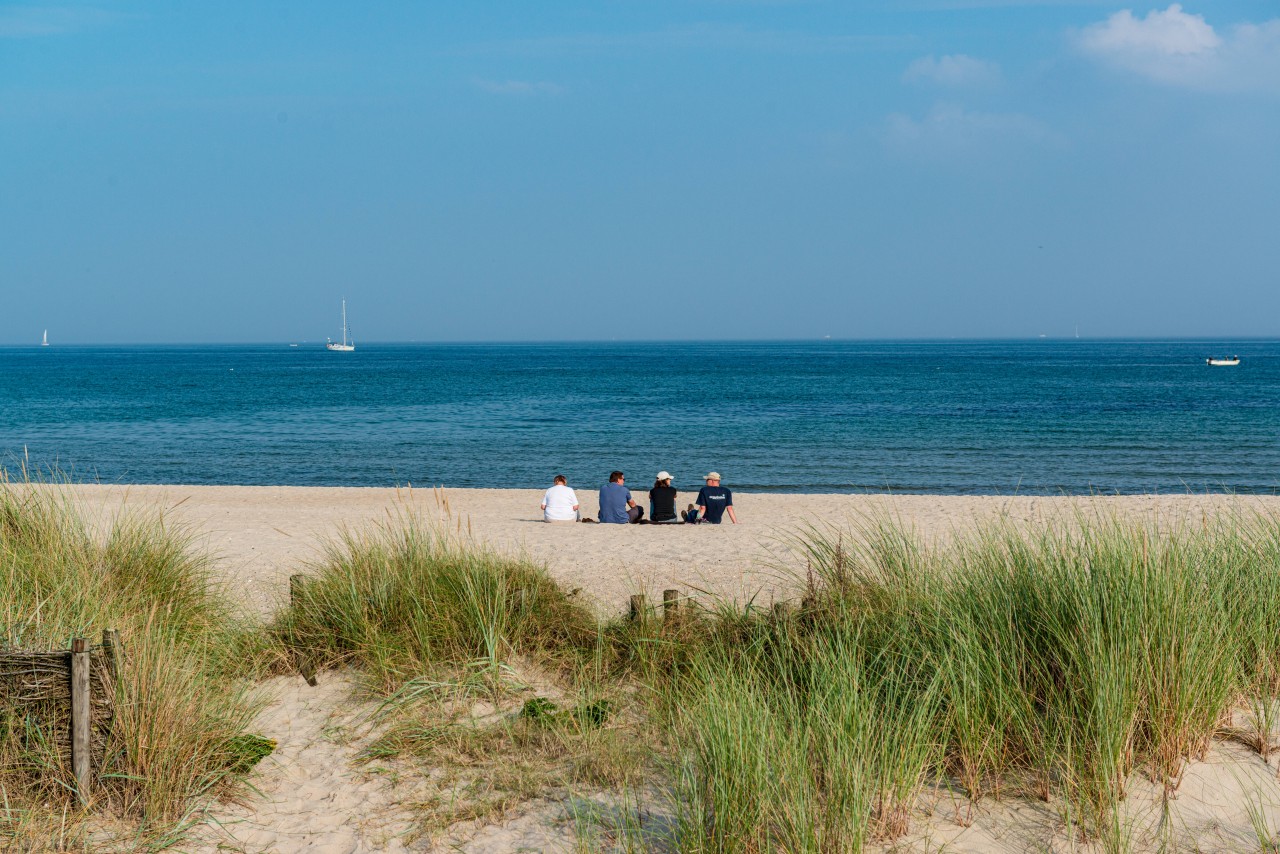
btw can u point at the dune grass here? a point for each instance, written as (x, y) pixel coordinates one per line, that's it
(182, 697)
(483, 667)
(1056, 660)
(405, 601)
(1046, 661)
(1050, 661)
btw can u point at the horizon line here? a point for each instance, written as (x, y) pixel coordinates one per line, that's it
(571, 341)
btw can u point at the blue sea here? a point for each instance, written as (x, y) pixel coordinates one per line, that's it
(952, 417)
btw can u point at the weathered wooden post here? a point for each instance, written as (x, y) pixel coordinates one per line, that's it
(295, 589)
(306, 666)
(111, 645)
(670, 605)
(637, 607)
(81, 756)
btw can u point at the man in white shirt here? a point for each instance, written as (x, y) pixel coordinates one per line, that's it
(560, 504)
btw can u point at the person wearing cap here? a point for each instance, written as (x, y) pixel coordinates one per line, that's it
(616, 505)
(560, 503)
(662, 500)
(714, 501)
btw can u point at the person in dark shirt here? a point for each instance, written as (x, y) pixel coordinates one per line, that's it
(714, 501)
(662, 500)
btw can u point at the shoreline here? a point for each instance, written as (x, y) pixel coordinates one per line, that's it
(259, 535)
(850, 492)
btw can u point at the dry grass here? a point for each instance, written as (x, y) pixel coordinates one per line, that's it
(181, 699)
(494, 684)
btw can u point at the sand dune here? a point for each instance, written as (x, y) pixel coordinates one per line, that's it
(315, 797)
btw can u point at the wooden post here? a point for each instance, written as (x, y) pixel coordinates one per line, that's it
(670, 604)
(111, 643)
(306, 666)
(637, 607)
(295, 589)
(81, 757)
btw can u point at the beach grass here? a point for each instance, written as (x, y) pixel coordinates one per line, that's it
(183, 700)
(482, 667)
(406, 600)
(1051, 661)
(1054, 661)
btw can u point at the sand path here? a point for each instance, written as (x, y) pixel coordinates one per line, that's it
(314, 797)
(316, 794)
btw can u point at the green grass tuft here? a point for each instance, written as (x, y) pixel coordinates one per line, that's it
(182, 698)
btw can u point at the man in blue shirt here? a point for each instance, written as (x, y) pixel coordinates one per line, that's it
(713, 501)
(616, 505)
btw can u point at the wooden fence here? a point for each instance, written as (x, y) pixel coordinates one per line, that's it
(66, 698)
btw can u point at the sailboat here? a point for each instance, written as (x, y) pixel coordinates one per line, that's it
(44, 342)
(347, 344)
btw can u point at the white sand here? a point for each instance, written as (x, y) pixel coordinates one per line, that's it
(317, 797)
(261, 535)
(314, 799)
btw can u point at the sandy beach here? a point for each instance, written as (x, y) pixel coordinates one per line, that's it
(317, 796)
(259, 536)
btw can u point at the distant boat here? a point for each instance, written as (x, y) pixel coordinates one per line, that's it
(1217, 361)
(347, 344)
(44, 342)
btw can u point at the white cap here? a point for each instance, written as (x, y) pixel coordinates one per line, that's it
(664, 475)
(715, 475)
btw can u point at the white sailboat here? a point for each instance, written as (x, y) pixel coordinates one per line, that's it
(44, 341)
(347, 344)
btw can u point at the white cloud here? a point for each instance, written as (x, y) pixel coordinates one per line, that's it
(1169, 33)
(954, 70)
(1182, 49)
(518, 87)
(950, 127)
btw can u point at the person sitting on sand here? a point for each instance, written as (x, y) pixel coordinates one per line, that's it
(616, 505)
(713, 501)
(662, 500)
(560, 503)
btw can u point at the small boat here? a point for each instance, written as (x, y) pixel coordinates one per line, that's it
(347, 344)
(44, 342)
(1220, 361)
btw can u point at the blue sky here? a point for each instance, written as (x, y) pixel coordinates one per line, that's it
(174, 172)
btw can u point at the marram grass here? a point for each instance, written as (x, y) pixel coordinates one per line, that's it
(1048, 661)
(1053, 660)
(405, 600)
(182, 697)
